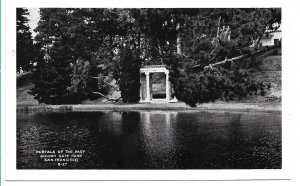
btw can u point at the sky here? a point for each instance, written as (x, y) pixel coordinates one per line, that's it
(33, 19)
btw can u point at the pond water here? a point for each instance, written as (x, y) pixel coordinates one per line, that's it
(150, 140)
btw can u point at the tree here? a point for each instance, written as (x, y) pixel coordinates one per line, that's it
(205, 43)
(52, 76)
(25, 47)
(71, 35)
(214, 84)
(127, 75)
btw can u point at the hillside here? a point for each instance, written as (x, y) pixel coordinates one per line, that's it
(269, 71)
(24, 85)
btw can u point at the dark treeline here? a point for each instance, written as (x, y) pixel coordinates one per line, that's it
(75, 45)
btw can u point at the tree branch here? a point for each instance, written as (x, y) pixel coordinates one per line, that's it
(109, 99)
(106, 83)
(226, 60)
(237, 58)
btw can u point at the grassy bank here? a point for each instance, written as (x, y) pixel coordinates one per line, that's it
(243, 107)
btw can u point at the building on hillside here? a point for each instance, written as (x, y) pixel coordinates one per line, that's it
(272, 37)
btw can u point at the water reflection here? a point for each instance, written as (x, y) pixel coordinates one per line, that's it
(111, 122)
(153, 139)
(159, 138)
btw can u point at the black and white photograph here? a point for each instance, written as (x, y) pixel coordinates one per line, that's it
(148, 88)
(149, 92)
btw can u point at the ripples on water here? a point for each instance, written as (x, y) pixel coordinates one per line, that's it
(152, 139)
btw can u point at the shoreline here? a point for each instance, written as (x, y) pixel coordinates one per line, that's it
(241, 107)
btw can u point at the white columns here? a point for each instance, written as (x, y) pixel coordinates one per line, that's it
(147, 86)
(167, 86)
(141, 88)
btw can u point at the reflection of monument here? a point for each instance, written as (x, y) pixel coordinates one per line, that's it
(168, 117)
(152, 88)
(158, 130)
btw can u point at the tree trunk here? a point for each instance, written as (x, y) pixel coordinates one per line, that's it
(110, 40)
(218, 26)
(179, 47)
(98, 93)
(106, 83)
(139, 40)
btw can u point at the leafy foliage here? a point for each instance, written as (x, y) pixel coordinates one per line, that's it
(70, 48)
(81, 43)
(82, 85)
(50, 85)
(216, 84)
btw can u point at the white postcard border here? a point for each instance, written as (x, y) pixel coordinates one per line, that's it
(289, 106)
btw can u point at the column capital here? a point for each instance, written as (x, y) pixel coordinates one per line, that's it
(166, 72)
